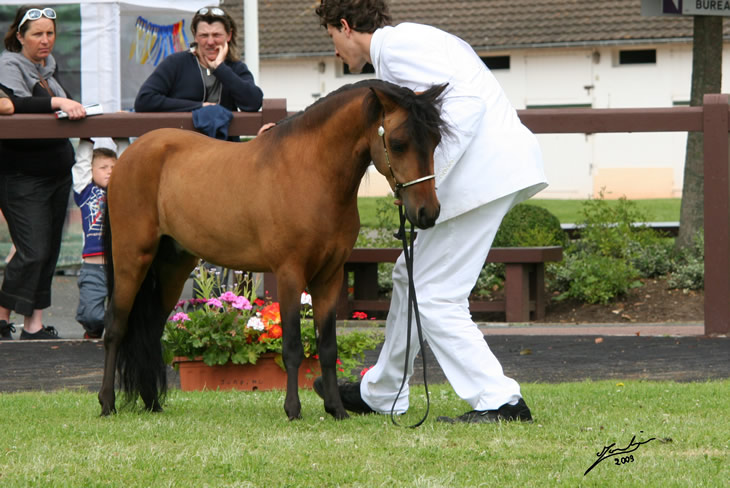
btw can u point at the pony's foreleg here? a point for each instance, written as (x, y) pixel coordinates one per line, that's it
(324, 302)
(292, 349)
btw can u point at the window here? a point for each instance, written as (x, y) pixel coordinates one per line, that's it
(496, 62)
(367, 69)
(639, 56)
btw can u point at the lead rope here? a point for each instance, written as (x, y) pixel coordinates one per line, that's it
(412, 308)
(412, 302)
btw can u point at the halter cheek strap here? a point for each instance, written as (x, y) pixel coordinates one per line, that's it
(398, 186)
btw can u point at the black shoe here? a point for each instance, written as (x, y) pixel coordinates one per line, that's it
(46, 333)
(93, 335)
(506, 413)
(6, 331)
(349, 393)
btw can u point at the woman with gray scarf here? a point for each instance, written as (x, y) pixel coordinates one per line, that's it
(35, 175)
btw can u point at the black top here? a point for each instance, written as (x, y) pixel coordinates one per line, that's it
(35, 157)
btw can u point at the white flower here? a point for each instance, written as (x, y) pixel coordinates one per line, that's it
(306, 298)
(255, 323)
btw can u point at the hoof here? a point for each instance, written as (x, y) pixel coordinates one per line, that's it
(105, 412)
(339, 414)
(295, 417)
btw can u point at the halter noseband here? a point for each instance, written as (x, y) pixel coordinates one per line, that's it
(398, 186)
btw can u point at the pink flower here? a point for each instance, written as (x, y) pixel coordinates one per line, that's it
(229, 297)
(214, 302)
(180, 317)
(242, 303)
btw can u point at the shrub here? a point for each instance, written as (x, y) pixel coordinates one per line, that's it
(529, 225)
(653, 258)
(613, 251)
(690, 268)
(593, 278)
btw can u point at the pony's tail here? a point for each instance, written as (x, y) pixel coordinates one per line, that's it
(140, 365)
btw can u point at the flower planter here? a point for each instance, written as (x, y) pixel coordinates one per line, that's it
(266, 374)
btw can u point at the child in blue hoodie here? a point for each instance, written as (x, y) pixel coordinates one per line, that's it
(94, 162)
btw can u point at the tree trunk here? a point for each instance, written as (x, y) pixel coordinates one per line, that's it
(706, 78)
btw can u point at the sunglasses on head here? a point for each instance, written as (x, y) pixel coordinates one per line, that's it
(36, 13)
(214, 11)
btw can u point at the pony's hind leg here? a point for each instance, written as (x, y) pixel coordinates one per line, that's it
(127, 281)
(170, 269)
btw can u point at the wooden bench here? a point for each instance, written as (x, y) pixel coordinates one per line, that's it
(525, 297)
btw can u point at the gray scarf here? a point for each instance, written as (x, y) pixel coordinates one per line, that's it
(20, 74)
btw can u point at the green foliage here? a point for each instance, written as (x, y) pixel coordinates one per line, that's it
(613, 251)
(529, 225)
(594, 278)
(491, 278)
(607, 229)
(690, 268)
(651, 259)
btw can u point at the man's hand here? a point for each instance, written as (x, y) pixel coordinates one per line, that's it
(222, 53)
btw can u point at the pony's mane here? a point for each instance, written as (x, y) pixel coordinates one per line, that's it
(424, 120)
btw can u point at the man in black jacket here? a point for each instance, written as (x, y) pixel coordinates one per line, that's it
(209, 73)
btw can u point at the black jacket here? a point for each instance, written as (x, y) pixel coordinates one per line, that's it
(177, 85)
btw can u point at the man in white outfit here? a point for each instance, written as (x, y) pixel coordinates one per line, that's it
(489, 163)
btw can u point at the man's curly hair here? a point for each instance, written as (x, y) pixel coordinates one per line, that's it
(362, 15)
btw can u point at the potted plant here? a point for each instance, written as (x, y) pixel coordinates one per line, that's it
(232, 339)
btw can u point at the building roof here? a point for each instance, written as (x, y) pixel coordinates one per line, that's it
(291, 28)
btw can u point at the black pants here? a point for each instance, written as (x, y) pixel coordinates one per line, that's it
(35, 210)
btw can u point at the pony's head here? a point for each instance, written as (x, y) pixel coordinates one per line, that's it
(407, 127)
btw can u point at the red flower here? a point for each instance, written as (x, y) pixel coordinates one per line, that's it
(259, 302)
(263, 337)
(365, 370)
(271, 314)
(359, 315)
(274, 332)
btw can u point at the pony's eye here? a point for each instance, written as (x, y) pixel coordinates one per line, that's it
(397, 146)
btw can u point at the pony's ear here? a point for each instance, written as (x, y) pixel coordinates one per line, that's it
(385, 101)
(433, 93)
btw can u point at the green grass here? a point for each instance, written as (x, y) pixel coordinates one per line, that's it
(567, 211)
(244, 439)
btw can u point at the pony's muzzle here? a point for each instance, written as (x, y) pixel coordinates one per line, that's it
(426, 217)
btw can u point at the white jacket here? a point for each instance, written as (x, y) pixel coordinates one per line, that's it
(490, 154)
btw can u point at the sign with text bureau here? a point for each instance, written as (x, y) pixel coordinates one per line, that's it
(651, 8)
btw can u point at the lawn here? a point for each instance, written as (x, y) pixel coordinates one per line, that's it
(680, 433)
(567, 211)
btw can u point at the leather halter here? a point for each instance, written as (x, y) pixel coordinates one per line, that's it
(398, 186)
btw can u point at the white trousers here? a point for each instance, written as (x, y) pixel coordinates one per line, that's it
(447, 261)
